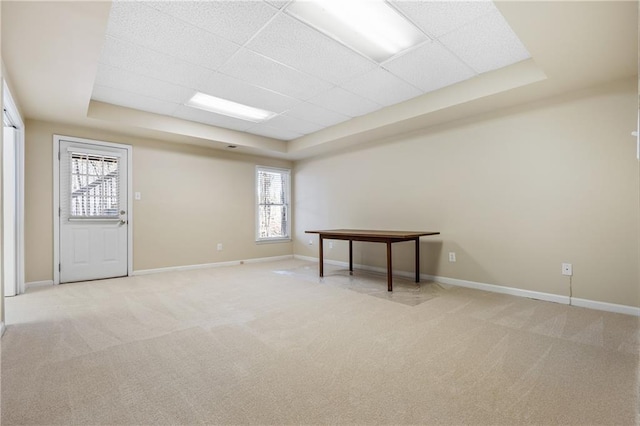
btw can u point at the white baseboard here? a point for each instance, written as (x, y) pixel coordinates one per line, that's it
(38, 284)
(549, 297)
(211, 265)
(604, 306)
(2, 328)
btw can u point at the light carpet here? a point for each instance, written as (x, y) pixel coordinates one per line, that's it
(273, 344)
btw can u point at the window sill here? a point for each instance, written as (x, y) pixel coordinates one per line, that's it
(274, 240)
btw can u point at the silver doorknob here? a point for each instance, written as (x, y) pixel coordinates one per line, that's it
(123, 222)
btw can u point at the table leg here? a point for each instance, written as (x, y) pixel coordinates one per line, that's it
(321, 258)
(389, 273)
(351, 257)
(417, 260)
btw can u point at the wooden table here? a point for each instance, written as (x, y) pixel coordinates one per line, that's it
(387, 237)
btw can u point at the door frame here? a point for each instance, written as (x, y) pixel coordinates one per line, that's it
(12, 111)
(56, 199)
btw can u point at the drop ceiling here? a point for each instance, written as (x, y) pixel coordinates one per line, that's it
(156, 55)
(131, 66)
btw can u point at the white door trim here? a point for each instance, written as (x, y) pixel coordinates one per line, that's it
(14, 115)
(56, 199)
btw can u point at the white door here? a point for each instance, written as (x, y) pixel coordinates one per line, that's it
(9, 224)
(93, 211)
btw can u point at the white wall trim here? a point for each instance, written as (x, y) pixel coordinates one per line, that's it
(33, 284)
(2, 329)
(211, 265)
(13, 112)
(604, 306)
(549, 297)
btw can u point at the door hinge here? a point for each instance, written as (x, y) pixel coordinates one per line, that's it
(59, 267)
(58, 155)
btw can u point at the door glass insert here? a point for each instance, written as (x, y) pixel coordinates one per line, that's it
(94, 186)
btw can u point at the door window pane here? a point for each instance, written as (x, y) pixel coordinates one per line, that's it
(94, 186)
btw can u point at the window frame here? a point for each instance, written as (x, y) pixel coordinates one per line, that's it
(287, 204)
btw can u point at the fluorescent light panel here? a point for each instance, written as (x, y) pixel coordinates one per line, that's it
(229, 108)
(371, 27)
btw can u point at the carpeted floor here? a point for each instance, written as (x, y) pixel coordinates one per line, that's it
(273, 344)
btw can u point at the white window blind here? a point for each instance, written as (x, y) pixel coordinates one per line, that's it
(94, 186)
(273, 194)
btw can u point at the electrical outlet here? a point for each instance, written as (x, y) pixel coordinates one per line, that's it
(567, 269)
(219, 246)
(138, 196)
(310, 242)
(330, 244)
(452, 256)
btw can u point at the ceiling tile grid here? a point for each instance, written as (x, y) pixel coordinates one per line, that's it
(147, 27)
(430, 67)
(437, 18)
(291, 42)
(116, 78)
(382, 87)
(159, 53)
(133, 100)
(486, 44)
(271, 132)
(316, 114)
(263, 72)
(298, 125)
(213, 119)
(345, 102)
(145, 62)
(236, 21)
(226, 87)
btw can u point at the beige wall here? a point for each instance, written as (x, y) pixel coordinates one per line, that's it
(514, 193)
(192, 199)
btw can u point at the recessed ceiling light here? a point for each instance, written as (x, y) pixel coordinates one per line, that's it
(371, 27)
(229, 108)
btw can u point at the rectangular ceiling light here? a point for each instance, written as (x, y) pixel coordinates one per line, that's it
(229, 108)
(371, 27)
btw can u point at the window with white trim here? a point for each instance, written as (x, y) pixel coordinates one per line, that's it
(273, 192)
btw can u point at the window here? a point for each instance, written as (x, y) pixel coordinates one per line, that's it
(94, 186)
(273, 192)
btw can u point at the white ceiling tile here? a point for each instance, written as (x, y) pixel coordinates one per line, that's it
(382, 87)
(439, 17)
(234, 20)
(139, 60)
(278, 4)
(344, 102)
(270, 132)
(210, 118)
(225, 87)
(150, 28)
(430, 67)
(132, 100)
(116, 78)
(316, 114)
(293, 43)
(293, 124)
(486, 44)
(263, 72)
